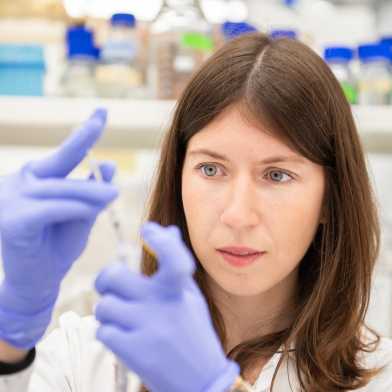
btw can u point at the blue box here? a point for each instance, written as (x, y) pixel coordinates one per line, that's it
(22, 70)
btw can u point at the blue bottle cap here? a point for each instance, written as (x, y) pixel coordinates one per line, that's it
(80, 42)
(289, 3)
(122, 19)
(235, 29)
(387, 40)
(373, 52)
(97, 53)
(338, 53)
(275, 34)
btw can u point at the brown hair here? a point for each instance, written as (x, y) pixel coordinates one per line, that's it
(286, 85)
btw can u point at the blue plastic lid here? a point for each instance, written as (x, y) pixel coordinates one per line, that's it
(97, 53)
(127, 20)
(338, 53)
(22, 55)
(235, 29)
(80, 42)
(386, 40)
(373, 52)
(275, 34)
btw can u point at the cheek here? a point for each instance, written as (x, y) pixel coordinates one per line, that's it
(296, 228)
(201, 211)
(199, 199)
(191, 199)
(194, 204)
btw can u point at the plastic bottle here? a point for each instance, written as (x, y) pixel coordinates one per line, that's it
(275, 14)
(387, 41)
(339, 59)
(79, 77)
(375, 82)
(180, 42)
(119, 74)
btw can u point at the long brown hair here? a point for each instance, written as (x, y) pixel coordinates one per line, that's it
(286, 85)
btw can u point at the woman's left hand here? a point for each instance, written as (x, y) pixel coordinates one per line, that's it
(160, 326)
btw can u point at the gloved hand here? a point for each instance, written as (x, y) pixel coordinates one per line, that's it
(160, 326)
(45, 221)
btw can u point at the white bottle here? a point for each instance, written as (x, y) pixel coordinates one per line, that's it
(180, 42)
(274, 15)
(339, 60)
(119, 73)
(79, 77)
(375, 81)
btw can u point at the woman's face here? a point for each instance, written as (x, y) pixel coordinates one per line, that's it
(232, 198)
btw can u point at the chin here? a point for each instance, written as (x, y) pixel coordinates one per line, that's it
(241, 289)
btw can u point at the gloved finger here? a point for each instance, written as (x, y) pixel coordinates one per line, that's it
(89, 191)
(73, 150)
(176, 264)
(116, 339)
(118, 279)
(130, 346)
(107, 169)
(40, 213)
(121, 313)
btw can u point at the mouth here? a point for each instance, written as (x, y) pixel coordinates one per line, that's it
(237, 260)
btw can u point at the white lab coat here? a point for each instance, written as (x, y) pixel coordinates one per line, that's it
(71, 360)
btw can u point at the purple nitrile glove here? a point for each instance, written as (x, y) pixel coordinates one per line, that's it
(45, 221)
(160, 326)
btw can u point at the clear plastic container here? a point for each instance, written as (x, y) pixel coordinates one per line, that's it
(387, 41)
(275, 15)
(180, 42)
(119, 73)
(375, 82)
(339, 60)
(79, 77)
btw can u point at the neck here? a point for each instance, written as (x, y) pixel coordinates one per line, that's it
(247, 317)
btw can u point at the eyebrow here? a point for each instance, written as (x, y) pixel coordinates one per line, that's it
(271, 159)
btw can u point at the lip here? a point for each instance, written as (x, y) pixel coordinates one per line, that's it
(240, 261)
(237, 250)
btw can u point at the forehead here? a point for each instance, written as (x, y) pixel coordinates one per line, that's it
(234, 133)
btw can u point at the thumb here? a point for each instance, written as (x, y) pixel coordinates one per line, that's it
(176, 264)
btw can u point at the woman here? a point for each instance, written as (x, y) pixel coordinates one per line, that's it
(284, 262)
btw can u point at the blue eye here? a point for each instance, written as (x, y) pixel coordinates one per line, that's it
(210, 171)
(280, 175)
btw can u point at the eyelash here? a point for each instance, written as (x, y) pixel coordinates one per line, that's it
(198, 167)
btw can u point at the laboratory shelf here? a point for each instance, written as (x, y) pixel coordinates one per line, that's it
(136, 123)
(47, 121)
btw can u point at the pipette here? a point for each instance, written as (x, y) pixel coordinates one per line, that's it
(121, 378)
(121, 371)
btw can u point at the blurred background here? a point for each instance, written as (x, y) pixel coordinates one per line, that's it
(60, 59)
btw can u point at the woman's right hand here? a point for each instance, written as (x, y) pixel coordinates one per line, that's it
(45, 221)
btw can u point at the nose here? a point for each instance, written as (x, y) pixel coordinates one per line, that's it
(240, 205)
